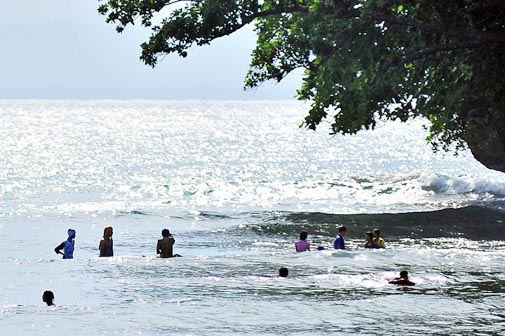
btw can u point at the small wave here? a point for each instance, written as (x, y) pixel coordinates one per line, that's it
(207, 215)
(131, 212)
(443, 184)
(475, 222)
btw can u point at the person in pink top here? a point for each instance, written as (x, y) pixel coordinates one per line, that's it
(302, 245)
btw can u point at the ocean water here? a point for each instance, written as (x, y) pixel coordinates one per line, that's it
(235, 182)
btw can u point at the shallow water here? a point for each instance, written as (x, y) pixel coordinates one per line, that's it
(235, 182)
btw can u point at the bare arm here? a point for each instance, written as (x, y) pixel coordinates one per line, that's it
(59, 248)
(101, 246)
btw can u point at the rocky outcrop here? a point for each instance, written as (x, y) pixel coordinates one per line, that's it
(486, 139)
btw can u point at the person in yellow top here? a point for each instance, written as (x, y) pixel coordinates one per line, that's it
(379, 241)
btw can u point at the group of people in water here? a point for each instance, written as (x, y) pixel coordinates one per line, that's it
(374, 240)
(164, 247)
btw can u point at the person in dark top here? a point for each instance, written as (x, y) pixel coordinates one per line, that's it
(339, 242)
(67, 246)
(403, 280)
(48, 298)
(283, 272)
(165, 246)
(370, 242)
(106, 244)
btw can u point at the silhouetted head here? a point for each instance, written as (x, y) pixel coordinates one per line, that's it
(71, 233)
(369, 236)
(303, 235)
(165, 232)
(283, 272)
(342, 230)
(404, 274)
(376, 233)
(107, 232)
(48, 298)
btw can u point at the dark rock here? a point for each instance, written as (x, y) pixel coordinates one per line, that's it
(486, 139)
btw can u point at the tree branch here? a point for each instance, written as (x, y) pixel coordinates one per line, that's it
(436, 29)
(485, 5)
(435, 49)
(245, 21)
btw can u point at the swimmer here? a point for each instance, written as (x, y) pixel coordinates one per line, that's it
(339, 242)
(106, 244)
(403, 280)
(379, 241)
(302, 245)
(283, 272)
(165, 246)
(48, 298)
(370, 243)
(67, 246)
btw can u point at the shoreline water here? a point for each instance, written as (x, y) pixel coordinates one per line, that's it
(235, 182)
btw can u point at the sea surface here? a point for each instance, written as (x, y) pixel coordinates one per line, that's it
(235, 182)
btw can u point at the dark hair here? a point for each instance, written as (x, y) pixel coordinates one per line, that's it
(165, 232)
(377, 231)
(107, 232)
(404, 274)
(303, 235)
(342, 228)
(48, 297)
(283, 272)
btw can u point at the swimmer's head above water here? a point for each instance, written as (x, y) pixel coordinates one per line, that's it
(48, 298)
(71, 233)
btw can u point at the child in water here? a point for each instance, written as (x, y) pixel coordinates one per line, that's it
(106, 244)
(67, 246)
(370, 242)
(165, 246)
(302, 245)
(48, 298)
(403, 280)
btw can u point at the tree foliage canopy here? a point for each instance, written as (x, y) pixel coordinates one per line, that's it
(364, 60)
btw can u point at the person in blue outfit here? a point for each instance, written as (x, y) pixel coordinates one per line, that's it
(67, 246)
(339, 242)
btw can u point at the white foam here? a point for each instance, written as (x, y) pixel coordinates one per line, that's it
(450, 185)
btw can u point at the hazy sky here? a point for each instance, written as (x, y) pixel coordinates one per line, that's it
(64, 49)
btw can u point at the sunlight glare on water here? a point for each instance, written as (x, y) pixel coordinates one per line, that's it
(235, 182)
